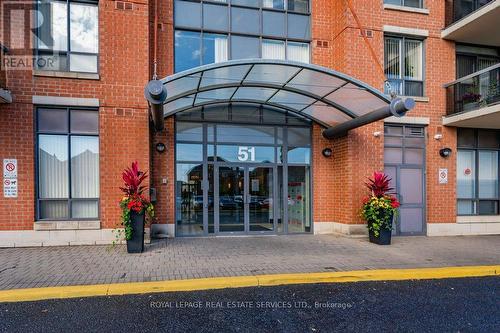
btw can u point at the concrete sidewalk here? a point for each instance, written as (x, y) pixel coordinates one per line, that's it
(189, 258)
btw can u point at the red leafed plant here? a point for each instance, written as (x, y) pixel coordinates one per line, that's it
(379, 184)
(133, 200)
(133, 179)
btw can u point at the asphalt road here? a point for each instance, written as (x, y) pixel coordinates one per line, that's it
(452, 305)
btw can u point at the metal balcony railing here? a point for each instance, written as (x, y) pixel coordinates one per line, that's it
(462, 8)
(474, 91)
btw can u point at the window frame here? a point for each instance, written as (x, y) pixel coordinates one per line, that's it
(229, 33)
(68, 135)
(402, 4)
(402, 63)
(42, 52)
(476, 150)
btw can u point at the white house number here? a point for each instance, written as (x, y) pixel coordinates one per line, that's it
(246, 154)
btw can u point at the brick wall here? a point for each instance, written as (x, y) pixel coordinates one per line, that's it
(124, 127)
(126, 41)
(363, 152)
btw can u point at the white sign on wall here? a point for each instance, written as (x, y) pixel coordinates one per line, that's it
(443, 176)
(10, 178)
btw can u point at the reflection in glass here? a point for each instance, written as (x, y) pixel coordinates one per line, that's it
(466, 179)
(299, 155)
(55, 13)
(187, 50)
(299, 219)
(84, 167)
(260, 203)
(275, 4)
(245, 134)
(189, 199)
(189, 131)
(488, 174)
(245, 20)
(84, 28)
(231, 196)
(53, 166)
(214, 48)
(189, 152)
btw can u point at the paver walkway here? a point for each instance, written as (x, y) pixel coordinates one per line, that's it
(183, 258)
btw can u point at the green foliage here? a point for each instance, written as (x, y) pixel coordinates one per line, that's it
(379, 212)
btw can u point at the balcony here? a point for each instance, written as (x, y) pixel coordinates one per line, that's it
(474, 100)
(474, 22)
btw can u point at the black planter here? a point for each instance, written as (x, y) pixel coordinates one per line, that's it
(136, 243)
(384, 236)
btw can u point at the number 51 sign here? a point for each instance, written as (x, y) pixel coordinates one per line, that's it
(246, 154)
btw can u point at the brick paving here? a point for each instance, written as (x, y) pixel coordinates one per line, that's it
(185, 258)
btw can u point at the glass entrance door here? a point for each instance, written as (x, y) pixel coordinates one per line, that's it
(230, 199)
(244, 200)
(261, 199)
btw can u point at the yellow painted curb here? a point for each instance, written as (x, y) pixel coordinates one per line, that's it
(36, 294)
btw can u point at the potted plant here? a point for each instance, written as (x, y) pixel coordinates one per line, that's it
(379, 209)
(134, 207)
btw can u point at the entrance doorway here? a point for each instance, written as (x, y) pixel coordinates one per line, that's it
(404, 162)
(246, 173)
(244, 199)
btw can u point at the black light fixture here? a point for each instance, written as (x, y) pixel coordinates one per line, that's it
(160, 147)
(445, 152)
(327, 152)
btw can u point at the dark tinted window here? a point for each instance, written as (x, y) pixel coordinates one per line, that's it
(52, 120)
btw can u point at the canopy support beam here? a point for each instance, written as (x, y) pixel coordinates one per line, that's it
(397, 108)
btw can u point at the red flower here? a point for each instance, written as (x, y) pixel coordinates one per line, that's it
(394, 202)
(379, 185)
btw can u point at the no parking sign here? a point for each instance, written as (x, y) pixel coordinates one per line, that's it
(10, 178)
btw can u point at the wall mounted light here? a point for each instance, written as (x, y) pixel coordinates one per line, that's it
(445, 152)
(327, 152)
(160, 147)
(377, 134)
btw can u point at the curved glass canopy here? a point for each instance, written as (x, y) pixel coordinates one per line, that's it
(320, 94)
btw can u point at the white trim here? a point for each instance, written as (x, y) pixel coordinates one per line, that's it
(406, 31)
(66, 101)
(67, 75)
(322, 228)
(424, 11)
(31, 238)
(462, 229)
(454, 119)
(408, 120)
(479, 219)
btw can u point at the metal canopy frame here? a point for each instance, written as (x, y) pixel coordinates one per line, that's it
(322, 95)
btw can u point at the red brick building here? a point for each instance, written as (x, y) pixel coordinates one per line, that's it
(74, 117)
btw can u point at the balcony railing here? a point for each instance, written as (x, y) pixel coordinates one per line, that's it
(462, 8)
(474, 91)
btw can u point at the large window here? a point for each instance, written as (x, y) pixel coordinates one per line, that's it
(407, 3)
(404, 66)
(471, 59)
(67, 37)
(68, 163)
(477, 172)
(216, 31)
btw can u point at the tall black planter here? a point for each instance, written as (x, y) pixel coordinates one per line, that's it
(384, 236)
(136, 243)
